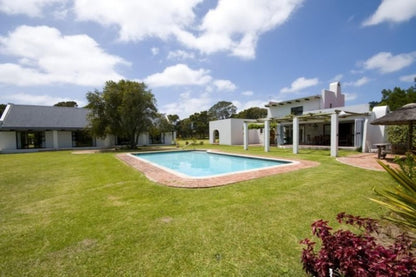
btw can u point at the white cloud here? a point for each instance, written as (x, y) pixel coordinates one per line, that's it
(350, 96)
(385, 62)
(179, 75)
(299, 84)
(30, 99)
(180, 55)
(45, 56)
(336, 78)
(187, 105)
(235, 26)
(395, 11)
(247, 93)
(249, 104)
(408, 78)
(360, 82)
(224, 85)
(139, 19)
(232, 26)
(32, 8)
(155, 51)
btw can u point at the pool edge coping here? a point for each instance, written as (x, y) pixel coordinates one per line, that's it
(161, 176)
(285, 162)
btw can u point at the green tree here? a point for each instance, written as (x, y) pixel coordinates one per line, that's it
(124, 109)
(173, 118)
(397, 97)
(184, 128)
(71, 104)
(160, 125)
(200, 124)
(252, 113)
(222, 110)
(2, 108)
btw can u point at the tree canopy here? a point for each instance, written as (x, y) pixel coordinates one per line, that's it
(71, 104)
(251, 113)
(2, 108)
(222, 110)
(397, 97)
(124, 109)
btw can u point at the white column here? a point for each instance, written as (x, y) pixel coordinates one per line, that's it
(278, 134)
(55, 139)
(245, 135)
(334, 135)
(267, 136)
(365, 133)
(295, 136)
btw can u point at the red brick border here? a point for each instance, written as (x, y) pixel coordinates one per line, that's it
(161, 176)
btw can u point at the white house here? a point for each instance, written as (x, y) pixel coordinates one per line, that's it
(31, 128)
(318, 120)
(230, 132)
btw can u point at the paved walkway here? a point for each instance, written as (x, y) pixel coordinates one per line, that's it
(367, 161)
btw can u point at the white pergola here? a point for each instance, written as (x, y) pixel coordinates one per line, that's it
(333, 116)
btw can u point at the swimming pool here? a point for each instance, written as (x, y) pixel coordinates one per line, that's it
(203, 164)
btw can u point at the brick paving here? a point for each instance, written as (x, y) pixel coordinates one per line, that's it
(166, 178)
(367, 161)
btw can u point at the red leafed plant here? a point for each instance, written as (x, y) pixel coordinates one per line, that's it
(344, 253)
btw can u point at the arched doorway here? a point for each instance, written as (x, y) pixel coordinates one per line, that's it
(216, 137)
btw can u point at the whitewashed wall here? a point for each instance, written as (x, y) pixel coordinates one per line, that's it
(7, 140)
(231, 132)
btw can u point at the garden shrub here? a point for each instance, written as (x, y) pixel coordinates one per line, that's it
(401, 198)
(344, 253)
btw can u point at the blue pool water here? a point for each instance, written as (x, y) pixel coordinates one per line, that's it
(205, 164)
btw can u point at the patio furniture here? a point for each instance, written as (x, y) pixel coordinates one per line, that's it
(382, 150)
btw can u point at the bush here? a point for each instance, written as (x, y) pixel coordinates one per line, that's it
(398, 136)
(401, 198)
(344, 253)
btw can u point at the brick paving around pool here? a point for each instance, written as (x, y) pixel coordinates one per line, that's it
(369, 161)
(161, 176)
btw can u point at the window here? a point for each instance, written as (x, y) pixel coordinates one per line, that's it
(296, 110)
(30, 139)
(82, 139)
(122, 140)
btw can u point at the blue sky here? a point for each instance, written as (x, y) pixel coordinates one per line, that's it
(194, 53)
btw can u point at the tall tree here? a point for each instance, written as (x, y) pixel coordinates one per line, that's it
(71, 104)
(200, 124)
(397, 97)
(222, 110)
(184, 128)
(124, 109)
(2, 108)
(160, 125)
(173, 118)
(252, 113)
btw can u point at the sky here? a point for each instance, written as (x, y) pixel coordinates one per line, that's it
(194, 53)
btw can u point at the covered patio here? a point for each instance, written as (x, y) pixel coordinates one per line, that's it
(331, 128)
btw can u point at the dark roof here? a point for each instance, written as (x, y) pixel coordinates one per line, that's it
(30, 117)
(404, 115)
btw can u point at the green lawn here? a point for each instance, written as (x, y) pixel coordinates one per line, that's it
(91, 215)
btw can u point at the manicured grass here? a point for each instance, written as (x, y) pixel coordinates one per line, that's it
(91, 215)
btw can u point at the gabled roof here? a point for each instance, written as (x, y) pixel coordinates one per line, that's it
(30, 117)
